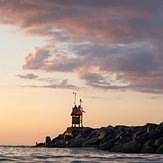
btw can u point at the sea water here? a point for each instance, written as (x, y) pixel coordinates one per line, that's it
(72, 155)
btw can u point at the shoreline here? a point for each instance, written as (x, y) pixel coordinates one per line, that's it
(124, 139)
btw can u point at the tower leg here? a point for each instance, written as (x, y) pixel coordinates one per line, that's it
(81, 120)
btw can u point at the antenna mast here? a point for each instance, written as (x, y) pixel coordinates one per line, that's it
(74, 97)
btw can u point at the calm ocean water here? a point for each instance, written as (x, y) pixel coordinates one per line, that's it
(74, 155)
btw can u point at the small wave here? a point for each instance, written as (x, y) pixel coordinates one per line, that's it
(6, 159)
(73, 155)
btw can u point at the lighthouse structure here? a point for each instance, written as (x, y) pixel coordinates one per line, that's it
(77, 114)
(77, 118)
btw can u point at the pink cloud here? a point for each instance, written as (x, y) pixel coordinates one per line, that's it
(37, 59)
(124, 39)
(107, 20)
(135, 66)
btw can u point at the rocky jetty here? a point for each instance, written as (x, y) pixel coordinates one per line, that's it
(133, 139)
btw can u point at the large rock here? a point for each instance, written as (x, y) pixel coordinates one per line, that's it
(77, 142)
(160, 150)
(121, 128)
(151, 126)
(158, 142)
(160, 128)
(143, 138)
(92, 139)
(107, 139)
(135, 139)
(117, 148)
(132, 147)
(92, 142)
(102, 133)
(149, 143)
(125, 139)
(137, 132)
(40, 145)
(47, 141)
(59, 141)
(148, 149)
(107, 145)
(86, 131)
(93, 133)
(58, 138)
(153, 134)
(110, 129)
(75, 133)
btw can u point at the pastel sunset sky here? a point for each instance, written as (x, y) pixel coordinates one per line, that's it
(108, 51)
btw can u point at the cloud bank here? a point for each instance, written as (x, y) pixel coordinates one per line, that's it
(110, 44)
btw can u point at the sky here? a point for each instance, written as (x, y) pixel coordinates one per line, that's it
(110, 52)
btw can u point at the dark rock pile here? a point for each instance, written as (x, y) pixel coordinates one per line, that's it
(135, 139)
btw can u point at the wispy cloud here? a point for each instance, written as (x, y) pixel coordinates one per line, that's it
(62, 85)
(27, 76)
(95, 97)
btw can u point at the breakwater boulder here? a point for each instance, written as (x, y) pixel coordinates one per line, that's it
(127, 139)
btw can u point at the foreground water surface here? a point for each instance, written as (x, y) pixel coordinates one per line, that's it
(74, 155)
